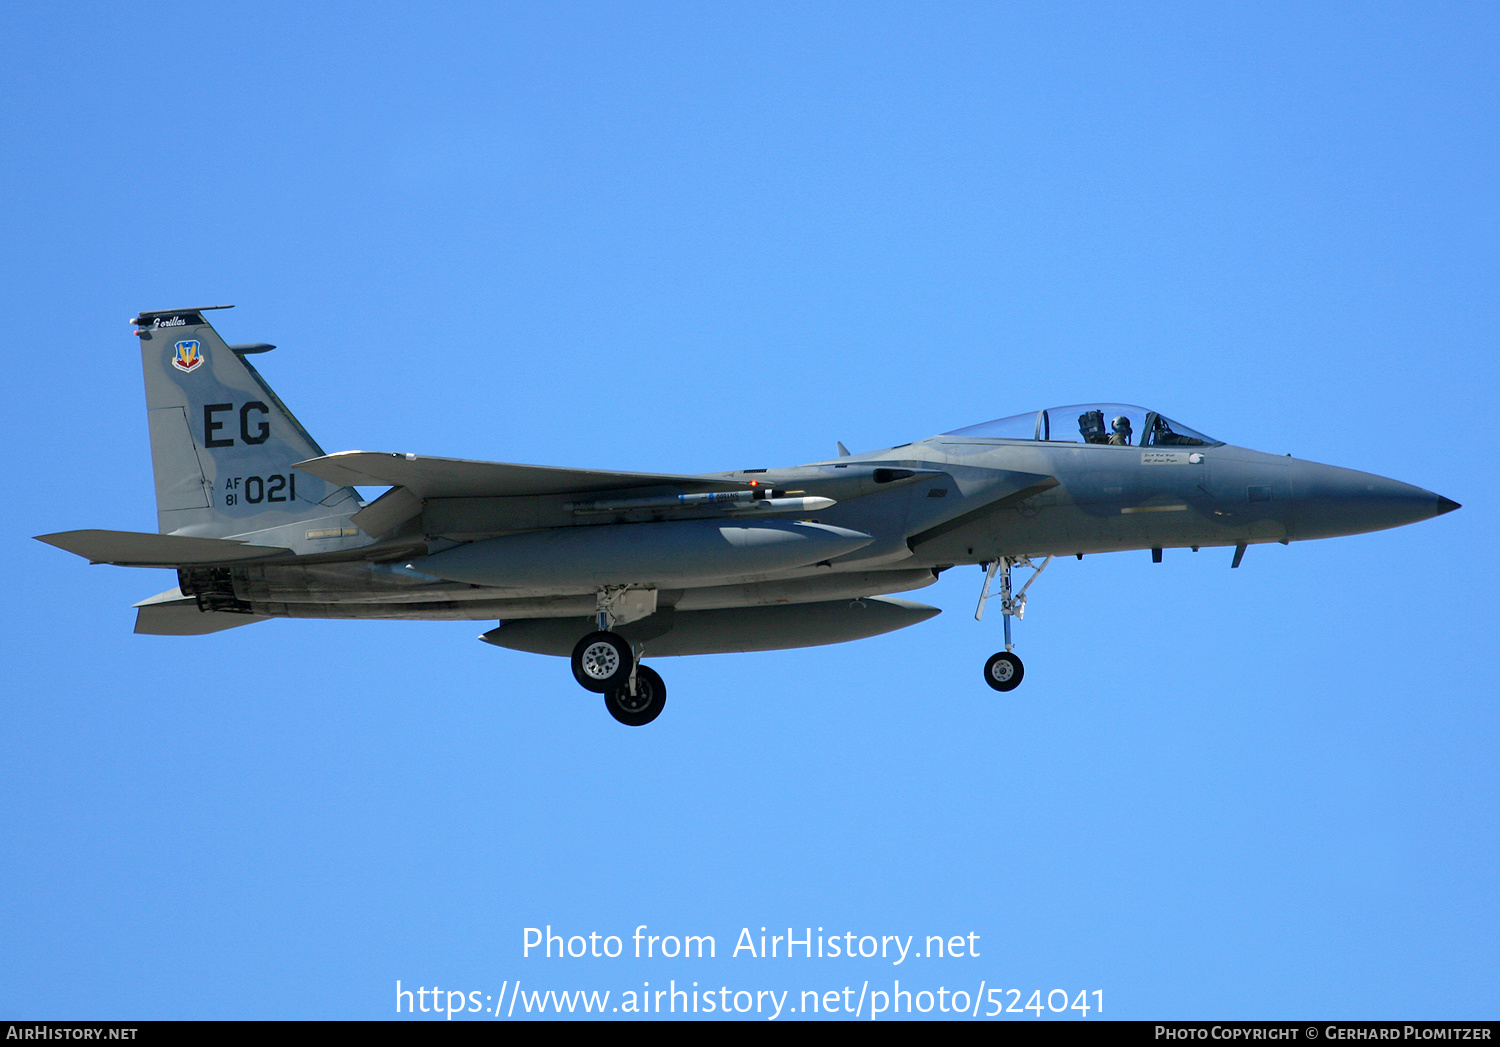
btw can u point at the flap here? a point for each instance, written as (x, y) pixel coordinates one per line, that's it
(134, 549)
(460, 478)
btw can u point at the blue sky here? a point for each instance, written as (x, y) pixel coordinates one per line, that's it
(684, 238)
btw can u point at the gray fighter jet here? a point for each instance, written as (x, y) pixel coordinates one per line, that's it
(609, 567)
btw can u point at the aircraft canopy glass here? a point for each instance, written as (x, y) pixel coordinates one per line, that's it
(1120, 425)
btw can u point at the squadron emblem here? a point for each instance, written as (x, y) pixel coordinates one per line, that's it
(189, 355)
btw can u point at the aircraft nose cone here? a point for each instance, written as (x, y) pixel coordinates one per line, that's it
(1334, 501)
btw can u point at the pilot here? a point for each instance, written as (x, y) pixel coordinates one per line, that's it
(1121, 435)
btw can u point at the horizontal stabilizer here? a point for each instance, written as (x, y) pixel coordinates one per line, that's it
(134, 549)
(172, 614)
(460, 478)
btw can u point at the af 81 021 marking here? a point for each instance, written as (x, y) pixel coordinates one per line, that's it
(257, 489)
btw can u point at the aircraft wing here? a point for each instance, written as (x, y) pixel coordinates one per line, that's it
(135, 549)
(461, 478)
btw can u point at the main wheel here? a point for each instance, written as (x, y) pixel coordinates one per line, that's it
(1003, 671)
(601, 661)
(640, 708)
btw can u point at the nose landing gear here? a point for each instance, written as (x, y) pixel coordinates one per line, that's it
(1004, 670)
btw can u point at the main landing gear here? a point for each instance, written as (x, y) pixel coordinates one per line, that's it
(605, 662)
(1004, 670)
(638, 700)
(602, 661)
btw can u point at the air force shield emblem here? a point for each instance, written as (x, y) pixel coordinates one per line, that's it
(188, 357)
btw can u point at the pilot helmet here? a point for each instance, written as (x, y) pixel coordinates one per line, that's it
(1121, 422)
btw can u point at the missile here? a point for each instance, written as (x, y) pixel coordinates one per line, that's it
(763, 499)
(782, 505)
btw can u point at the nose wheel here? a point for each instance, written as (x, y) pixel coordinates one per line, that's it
(1003, 671)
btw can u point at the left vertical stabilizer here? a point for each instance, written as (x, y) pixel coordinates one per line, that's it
(223, 445)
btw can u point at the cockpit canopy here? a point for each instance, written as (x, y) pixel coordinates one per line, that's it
(1118, 424)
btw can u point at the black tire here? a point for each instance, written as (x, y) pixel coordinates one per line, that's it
(602, 661)
(639, 709)
(1003, 671)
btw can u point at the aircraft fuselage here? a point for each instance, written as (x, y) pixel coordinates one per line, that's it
(614, 566)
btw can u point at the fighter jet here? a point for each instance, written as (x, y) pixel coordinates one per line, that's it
(608, 568)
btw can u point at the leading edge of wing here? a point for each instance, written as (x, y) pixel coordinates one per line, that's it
(462, 478)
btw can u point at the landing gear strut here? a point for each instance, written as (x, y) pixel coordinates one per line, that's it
(1004, 670)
